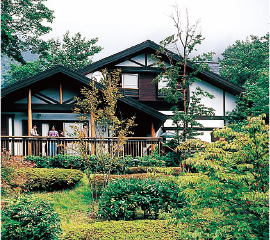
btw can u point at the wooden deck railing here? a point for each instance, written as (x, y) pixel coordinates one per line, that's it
(45, 146)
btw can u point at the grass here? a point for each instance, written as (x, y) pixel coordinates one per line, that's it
(73, 205)
(76, 210)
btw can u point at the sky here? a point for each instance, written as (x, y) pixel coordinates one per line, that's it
(120, 24)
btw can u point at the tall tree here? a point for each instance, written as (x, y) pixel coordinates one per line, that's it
(246, 63)
(22, 23)
(74, 53)
(177, 79)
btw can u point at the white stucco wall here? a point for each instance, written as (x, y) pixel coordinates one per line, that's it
(206, 136)
(140, 59)
(230, 103)
(216, 102)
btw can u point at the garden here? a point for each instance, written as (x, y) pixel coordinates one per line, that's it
(221, 192)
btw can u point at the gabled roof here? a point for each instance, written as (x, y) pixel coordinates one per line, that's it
(41, 76)
(149, 45)
(9, 90)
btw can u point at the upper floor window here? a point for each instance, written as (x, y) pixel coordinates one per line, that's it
(130, 81)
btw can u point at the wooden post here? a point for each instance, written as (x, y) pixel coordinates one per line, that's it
(93, 132)
(153, 134)
(29, 112)
(61, 94)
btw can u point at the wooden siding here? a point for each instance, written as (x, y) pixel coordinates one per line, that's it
(148, 90)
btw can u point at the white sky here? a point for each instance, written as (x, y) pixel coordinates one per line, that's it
(120, 24)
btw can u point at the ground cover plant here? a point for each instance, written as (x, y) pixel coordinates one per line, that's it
(29, 218)
(125, 230)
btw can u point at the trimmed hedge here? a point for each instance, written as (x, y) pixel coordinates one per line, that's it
(175, 171)
(49, 179)
(124, 230)
(58, 161)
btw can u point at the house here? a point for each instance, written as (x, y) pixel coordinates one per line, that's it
(138, 72)
(48, 97)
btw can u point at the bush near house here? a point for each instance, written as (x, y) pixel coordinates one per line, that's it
(119, 165)
(49, 179)
(128, 199)
(11, 179)
(29, 218)
(175, 171)
(58, 161)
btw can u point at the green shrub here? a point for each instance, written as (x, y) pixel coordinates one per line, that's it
(122, 198)
(59, 161)
(175, 171)
(28, 218)
(11, 179)
(96, 180)
(237, 166)
(122, 230)
(50, 179)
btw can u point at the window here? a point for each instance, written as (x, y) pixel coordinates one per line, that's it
(130, 81)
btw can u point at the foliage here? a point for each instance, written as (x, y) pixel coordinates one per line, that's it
(246, 63)
(175, 171)
(28, 218)
(49, 179)
(58, 161)
(12, 180)
(135, 230)
(122, 198)
(237, 191)
(119, 165)
(74, 53)
(72, 205)
(22, 23)
(96, 181)
(101, 107)
(185, 109)
(20, 72)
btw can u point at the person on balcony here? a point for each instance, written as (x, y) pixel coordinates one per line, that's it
(35, 143)
(52, 144)
(84, 131)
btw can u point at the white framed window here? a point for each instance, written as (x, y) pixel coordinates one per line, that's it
(130, 81)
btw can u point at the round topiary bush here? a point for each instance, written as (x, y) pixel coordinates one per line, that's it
(31, 219)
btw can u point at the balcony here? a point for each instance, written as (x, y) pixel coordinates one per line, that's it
(42, 146)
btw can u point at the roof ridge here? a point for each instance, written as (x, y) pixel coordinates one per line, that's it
(146, 42)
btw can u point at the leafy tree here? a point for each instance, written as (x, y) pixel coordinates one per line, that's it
(22, 23)
(246, 63)
(101, 106)
(74, 53)
(237, 190)
(177, 80)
